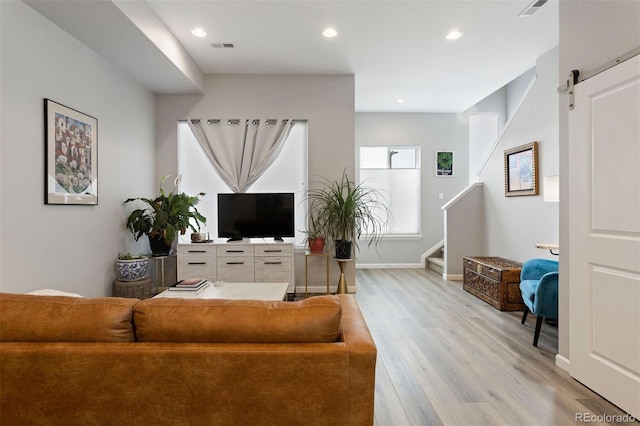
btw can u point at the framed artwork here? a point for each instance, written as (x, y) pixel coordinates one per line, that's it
(71, 155)
(521, 170)
(444, 163)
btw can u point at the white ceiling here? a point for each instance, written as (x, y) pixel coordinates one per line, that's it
(394, 48)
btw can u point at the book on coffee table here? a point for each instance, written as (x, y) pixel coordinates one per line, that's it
(191, 284)
(188, 289)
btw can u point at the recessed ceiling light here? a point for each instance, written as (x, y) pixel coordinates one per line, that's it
(454, 35)
(399, 101)
(329, 32)
(199, 32)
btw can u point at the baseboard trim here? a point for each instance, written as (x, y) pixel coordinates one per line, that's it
(317, 289)
(453, 277)
(322, 289)
(563, 363)
(388, 265)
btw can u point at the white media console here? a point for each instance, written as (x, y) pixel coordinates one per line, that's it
(237, 262)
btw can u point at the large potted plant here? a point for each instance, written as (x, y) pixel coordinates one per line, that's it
(349, 212)
(164, 217)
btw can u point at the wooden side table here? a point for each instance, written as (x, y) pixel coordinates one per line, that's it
(308, 254)
(342, 284)
(140, 289)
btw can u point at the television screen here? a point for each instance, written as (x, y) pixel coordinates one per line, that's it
(256, 215)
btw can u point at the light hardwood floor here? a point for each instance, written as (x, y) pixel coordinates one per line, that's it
(448, 358)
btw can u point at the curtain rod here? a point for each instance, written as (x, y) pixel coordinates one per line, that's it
(237, 120)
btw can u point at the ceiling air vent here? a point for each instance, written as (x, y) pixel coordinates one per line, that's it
(227, 45)
(532, 8)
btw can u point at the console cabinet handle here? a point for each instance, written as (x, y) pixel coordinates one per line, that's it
(235, 251)
(273, 263)
(196, 251)
(273, 251)
(235, 263)
(197, 263)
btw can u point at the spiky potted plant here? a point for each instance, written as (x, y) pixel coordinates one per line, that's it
(164, 217)
(349, 212)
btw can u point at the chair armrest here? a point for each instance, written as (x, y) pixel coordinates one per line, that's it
(545, 303)
(534, 269)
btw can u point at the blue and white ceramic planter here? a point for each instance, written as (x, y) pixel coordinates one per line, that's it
(132, 270)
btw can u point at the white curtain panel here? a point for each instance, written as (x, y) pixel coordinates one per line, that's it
(240, 150)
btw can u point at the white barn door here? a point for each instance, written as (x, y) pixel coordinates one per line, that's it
(604, 249)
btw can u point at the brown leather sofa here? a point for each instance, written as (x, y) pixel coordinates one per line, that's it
(116, 361)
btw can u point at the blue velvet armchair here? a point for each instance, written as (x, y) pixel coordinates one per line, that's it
(539, 288)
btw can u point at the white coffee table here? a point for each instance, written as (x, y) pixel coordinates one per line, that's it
(237, 291)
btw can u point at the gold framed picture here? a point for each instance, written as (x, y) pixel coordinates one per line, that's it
(521, 170)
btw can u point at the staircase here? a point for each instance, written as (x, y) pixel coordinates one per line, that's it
(435, 261)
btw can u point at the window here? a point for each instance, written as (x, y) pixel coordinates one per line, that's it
(288, 173)
(395, 171)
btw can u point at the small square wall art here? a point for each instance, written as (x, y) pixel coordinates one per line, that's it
(444, 163)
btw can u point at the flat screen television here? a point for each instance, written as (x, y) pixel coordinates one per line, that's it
(257, 215)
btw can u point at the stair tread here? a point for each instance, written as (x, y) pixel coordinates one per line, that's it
(436, 260)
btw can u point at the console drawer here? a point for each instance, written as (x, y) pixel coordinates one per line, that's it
(194, 252)
(235, 250)
(197, 269)
(272, 269)
(196, 261)
(235, 268)
(273, 250)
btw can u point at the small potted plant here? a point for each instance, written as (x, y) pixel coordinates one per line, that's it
(130, 267)
(315, 234)
(347, 212)
(164, 217)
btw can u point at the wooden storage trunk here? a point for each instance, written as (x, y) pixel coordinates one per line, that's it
(495, 280)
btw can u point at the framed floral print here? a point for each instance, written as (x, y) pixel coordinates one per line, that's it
(71, 155)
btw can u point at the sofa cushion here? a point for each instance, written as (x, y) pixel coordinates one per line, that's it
(316, 319)
(35, 318)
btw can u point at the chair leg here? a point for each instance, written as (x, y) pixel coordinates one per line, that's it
(537, 333)
(524, 316)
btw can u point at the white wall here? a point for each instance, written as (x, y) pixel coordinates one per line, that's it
(464, 222)
(591, 33)
(483, 134)
(516, 88)
(69, 248)
(494, 103)
(503, 103)
(325, 101)
(431, 132)
(515, 224)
